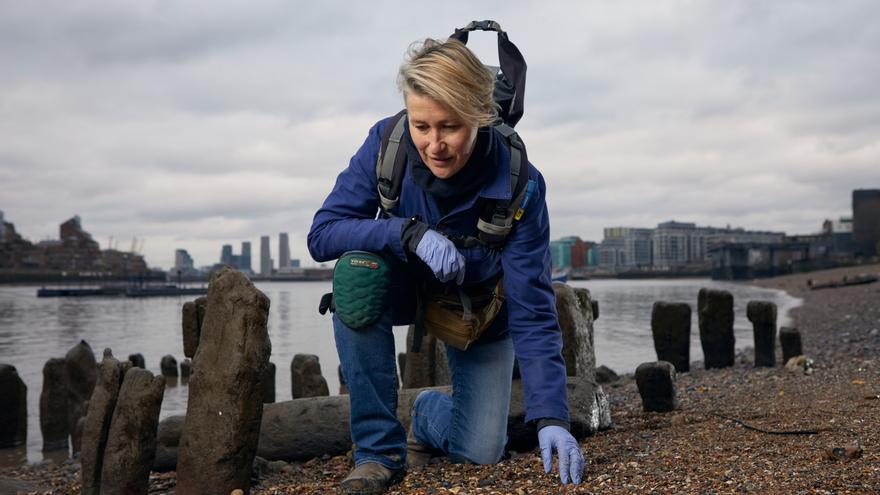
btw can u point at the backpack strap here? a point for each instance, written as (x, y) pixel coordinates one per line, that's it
(391, 162)
(501, 215)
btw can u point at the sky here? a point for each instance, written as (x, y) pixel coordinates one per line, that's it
(193, 124)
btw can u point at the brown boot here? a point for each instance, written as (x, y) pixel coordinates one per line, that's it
(417, 455)
(370, 478)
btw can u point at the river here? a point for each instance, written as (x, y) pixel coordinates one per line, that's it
(32, 330)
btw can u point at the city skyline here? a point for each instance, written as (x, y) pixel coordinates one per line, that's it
(191, 131)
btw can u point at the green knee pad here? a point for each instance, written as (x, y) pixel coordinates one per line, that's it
(361, 282)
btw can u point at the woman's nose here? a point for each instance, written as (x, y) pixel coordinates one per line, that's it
(435, 144)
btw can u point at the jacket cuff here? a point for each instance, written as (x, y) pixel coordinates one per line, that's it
(552, 422)
(411, 233)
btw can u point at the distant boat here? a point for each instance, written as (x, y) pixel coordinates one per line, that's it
(559, 275)
(117, 291)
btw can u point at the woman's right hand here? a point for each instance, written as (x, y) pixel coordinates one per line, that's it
(441, 255)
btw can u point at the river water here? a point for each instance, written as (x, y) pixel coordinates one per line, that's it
(32, 330)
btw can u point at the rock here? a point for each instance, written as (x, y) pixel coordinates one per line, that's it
(20, 486)
(80, 375)
(222, 425)
(168, 441)
(131, 446)
(715, 310)
(762, 314)
(800, 364)
(97, 423)
(53, 407)
(169, 366)
(343, 386)
(605, 374)
(76, 434)
(671, 329)
(267, 384)
(13, 414)
(790, 341)
(305, 377)
(427, 367)
(595, 307)
(185, 368)
(656, 383)
(303, 429)
(137, 360)
(843, 452)
(575, 313)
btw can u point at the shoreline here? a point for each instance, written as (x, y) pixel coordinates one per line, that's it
(691, 450)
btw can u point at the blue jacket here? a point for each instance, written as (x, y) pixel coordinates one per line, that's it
(348, 221)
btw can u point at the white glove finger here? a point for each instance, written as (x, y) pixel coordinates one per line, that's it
(564, 464)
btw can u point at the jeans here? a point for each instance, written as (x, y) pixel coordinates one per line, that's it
(469, 426)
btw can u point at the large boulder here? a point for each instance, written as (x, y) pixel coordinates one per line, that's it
(305, 377)
(671, 329)
(762, 314)
(97, 424)
(13, 413)
(715, 311)
(222, 425)
(302, 429)
(575, 311)
(80, 375)
(53, 407)
(131, 446)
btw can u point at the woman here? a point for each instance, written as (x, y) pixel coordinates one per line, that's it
(456, 163)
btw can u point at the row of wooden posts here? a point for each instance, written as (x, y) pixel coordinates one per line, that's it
(671, 330)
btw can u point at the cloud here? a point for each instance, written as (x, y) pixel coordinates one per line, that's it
(202, 123)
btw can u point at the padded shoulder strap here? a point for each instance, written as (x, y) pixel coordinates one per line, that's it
(391, 162)
(499, 219)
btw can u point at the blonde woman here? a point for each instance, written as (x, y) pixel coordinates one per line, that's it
(457, 162)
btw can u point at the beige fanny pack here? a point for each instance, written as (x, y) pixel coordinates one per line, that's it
(458, 318)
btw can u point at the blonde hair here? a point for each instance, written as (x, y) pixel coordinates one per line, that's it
(447, 71)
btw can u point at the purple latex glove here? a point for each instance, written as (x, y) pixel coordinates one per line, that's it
(441, 255)
(571, 460)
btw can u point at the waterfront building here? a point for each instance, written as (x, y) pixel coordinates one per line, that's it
(244, 261)
(625, 248)
(866, 222)
(283, 251)
(183, 261)
(226, 257)
(265, 257)
(610, 252)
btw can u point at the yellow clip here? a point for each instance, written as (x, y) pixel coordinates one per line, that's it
(519, 214)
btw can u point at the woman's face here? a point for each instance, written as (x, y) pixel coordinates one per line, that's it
(444, 141)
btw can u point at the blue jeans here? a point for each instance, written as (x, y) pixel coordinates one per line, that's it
(469, 426)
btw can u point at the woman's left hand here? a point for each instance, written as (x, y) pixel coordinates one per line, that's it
(571, 460)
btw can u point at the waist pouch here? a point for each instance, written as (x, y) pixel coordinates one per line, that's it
(458, 318)
(361, 283)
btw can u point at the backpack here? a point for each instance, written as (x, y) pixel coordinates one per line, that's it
(498, 215)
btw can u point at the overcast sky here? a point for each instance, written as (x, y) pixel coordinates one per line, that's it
(196, 124)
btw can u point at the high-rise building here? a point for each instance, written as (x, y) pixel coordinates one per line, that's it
(265, 257)
(226, 257)
(244, 261)
(183, 261)
(866, 222)
(283, 251)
